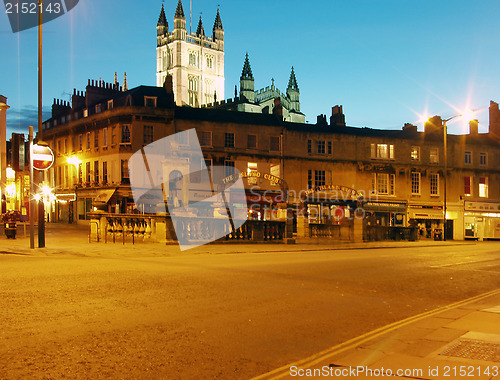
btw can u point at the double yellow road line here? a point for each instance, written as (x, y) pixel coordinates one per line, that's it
(309, 362)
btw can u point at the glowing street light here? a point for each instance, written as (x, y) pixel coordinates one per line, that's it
(73, 160)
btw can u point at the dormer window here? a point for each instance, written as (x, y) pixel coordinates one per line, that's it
(110, 104)
(98, 108)
(150, 101)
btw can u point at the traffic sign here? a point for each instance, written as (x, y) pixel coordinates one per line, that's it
(43, 157)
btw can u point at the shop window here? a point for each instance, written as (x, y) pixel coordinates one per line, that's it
(415, 183)
(434, 183)
(229, 140)
(415, 153)
(468, 158)
(468, 186)
(382, 151)
(434, 156)
(252, 141)
(483, 187)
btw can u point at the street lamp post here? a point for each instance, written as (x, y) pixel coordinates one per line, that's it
(445, 173)
(41, 208)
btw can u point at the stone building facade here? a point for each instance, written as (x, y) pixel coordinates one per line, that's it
(322, 173)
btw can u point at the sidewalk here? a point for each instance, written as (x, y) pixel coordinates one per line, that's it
(74, 240)
(458, 341)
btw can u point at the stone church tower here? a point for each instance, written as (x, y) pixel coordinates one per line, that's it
(195, 61)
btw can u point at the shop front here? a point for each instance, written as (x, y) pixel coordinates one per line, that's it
(330, 211)
(481, 220)
(385, 220)
(428, 219)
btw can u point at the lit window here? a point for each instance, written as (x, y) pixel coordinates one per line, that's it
(434, 180)
(206, 138)
(434, 156)
(252, 168)
(483, 159)
(383, 151)
(415, 183)
(468, 158)
(415, 153)
(229, 140)
(483, 187)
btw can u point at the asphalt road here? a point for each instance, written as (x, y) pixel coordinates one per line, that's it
(227, 316)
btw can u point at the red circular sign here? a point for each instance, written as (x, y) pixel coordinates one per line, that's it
(43, 157)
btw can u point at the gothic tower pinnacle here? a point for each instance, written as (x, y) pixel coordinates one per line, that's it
(293, 92)
(247, 81)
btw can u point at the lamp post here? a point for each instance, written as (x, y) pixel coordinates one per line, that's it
(445, 171)
(41, 208)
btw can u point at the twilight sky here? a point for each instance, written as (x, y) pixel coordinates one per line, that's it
(388, 62)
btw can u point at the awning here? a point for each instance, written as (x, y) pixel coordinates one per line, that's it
(426, 214)
(103, 196)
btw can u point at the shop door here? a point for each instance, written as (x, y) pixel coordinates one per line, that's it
(449, 230)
